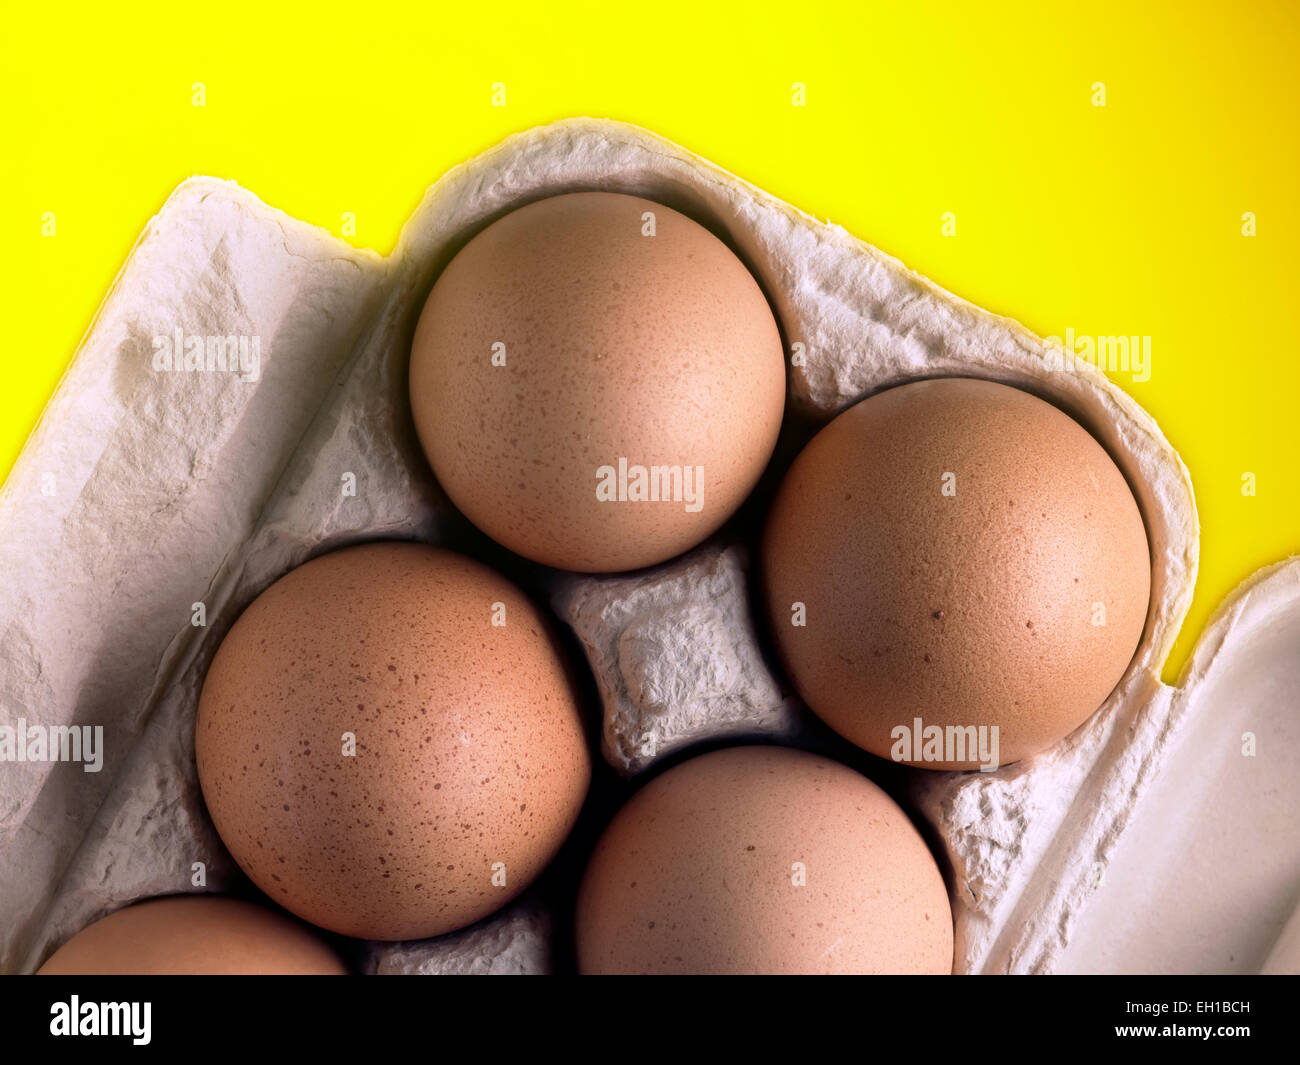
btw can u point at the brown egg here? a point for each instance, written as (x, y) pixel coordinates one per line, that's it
(593, 395)
(202, 935)
(762, 860)
(379, 753)
(962, 555)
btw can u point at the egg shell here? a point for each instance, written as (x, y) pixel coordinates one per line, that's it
(965, 554)
(195, 935)
(658, 349)
(470, 760)
(701, 873)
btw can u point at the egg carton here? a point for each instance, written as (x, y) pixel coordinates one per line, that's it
(149, 507)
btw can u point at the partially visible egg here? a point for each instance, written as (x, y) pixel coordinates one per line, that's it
(762, 860)
(389, 743)
(199, 935)
(597, 381)
(957, 574)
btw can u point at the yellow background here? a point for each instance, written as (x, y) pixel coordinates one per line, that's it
(1117, 220)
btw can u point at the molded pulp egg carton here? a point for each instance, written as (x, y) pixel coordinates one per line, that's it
(1145, 841)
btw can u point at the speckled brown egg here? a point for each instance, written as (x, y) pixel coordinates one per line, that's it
(762, 860)
(389, 743)
(597, 381)
(195, 935)
(952, 557)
